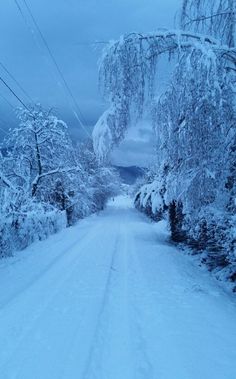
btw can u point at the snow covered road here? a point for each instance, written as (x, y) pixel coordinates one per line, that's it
(111, 299)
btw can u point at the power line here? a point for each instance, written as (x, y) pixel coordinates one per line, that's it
(7, 101)
(21, 12)
(52, 57)
(16, 82)
(54, 61)
(4, 131)
(89, 43)
(28, 25)
(14, 94)
(3, 123)
(66, 85)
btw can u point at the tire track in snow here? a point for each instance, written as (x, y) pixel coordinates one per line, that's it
(83, 310)
(122, 353)
(144, 367)
(111, 354)
(32, 317)
(40, 276)
(75, 345)
(120, 345)
(93, 362)
(127, 313)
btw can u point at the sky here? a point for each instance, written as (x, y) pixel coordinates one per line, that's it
(71, 28)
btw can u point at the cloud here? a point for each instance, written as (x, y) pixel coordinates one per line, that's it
(137, 149)
(69, 27)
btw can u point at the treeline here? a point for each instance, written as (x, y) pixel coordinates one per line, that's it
(193, 183)
(47, 183)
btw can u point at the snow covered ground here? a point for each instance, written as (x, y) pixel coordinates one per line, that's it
(111, 299)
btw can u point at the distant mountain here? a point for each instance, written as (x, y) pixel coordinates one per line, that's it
(130, 174)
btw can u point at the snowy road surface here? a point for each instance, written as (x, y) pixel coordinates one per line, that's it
(111, 299)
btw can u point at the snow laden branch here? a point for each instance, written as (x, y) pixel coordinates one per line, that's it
(58, 170)
(6, 182)
(46, 181)
(127, 76)
(214, 17)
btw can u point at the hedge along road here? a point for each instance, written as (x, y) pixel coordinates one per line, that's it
(110, 298)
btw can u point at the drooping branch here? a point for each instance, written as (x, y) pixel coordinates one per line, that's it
(169, 41)
(129, 65)
(6, 182)
(214, 17)
(207, 17)
(128, 72)
(58, 170)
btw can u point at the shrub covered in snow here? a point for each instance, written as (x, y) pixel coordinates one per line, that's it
(150, 200)
(29, 222)
(194, 121)
(45, 182)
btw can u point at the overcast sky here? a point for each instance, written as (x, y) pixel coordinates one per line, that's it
(70, 28)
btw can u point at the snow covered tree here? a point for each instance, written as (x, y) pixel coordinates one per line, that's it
(45, 182)
(213, 17)
(101, 180)
(194, 122)
(128, 76)
(38, 150)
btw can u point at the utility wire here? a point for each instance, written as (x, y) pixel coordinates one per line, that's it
(14, 94)
(27, 23)
(4, 131)
(66, 86)
(7, 101)
(21, 12)
(16, 82)
(91, 43)
(3, 123)
(55, 62)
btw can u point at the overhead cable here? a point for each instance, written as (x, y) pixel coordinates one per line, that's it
(16, 82)
(14, 94)
(66, 85)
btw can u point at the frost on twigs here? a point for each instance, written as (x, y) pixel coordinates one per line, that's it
(213, 17)
(128, 71)
(194, 181)
(194, 123)
(46, 182)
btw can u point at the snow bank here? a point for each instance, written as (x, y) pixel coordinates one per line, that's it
(209, 232)
(150, 201)
(19, 230)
